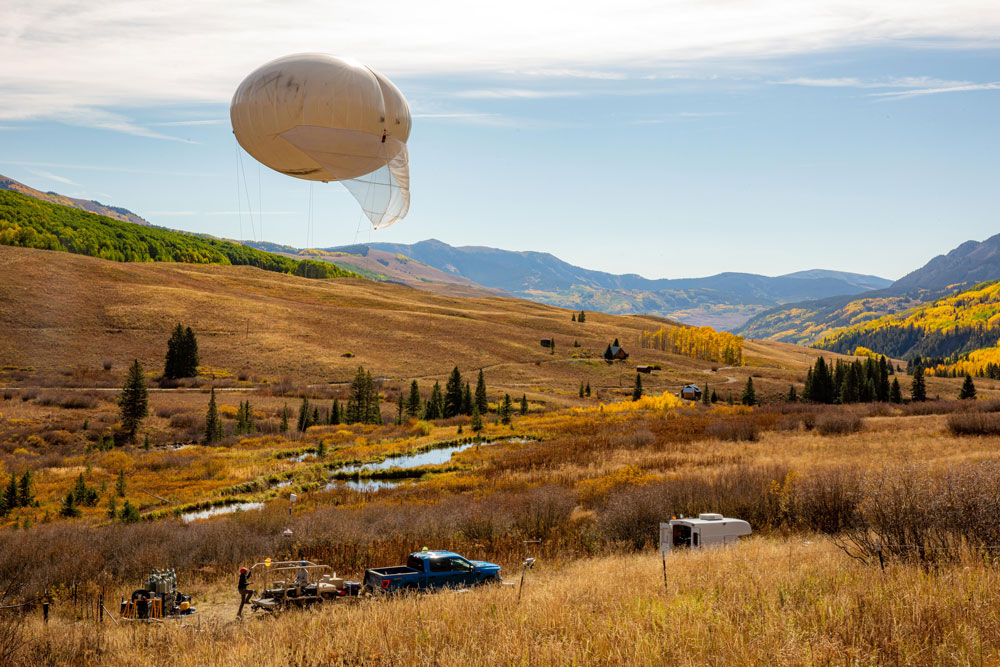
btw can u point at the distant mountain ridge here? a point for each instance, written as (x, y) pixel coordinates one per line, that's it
(89, 205)
(805, 323)
(725, 300)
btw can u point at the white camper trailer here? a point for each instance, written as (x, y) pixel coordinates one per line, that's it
(708, 530)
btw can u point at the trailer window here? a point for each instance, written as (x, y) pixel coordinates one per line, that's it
(696, 539)
(440, 565)
(682, 535)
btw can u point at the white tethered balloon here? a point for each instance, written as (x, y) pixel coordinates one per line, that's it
(323, 118)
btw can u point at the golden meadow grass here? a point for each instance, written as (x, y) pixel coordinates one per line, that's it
(797, 601)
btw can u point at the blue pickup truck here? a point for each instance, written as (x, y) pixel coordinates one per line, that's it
(426, 570)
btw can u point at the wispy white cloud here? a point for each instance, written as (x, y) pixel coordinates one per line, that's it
(108, 168)
(178, 123)
(52, 177)
(514, 93)
(855, 82)
(191, 51)
(919, 92)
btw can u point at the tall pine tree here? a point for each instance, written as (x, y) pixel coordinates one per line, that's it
(918, 388)
(453, 394)
(749, 395)
(481, 401)
(968, 390)
(134, 401)
(413, 401)
(213, 424)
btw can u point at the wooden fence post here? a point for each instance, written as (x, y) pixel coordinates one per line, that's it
(45, 611)
(663, 556)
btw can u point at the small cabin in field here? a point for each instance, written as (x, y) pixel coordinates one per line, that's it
(708, 530)
(615, 353)
(691, 392)
(643, 369)
(546, 342)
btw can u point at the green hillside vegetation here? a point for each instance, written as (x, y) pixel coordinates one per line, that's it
(31, 223)
(943, 332)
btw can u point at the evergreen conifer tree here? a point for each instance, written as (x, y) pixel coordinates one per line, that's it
(477, 420)
(729, 399)
(373, 411)
(400, 409)
(213, 424)
(435, 404)
(582, 317)
(120, 484)
(524, 404)
(506, 408)
(453, 394)
(283, 428)
(823, 389)
(706, 397)
(882, 385)
(749, 395)
(581, 390)
(133, 401)
(172, 363)
(10, 493)
(467, 400)
(637, 389)
(25, 494)
(792, 398)
(413, 401)
(305, 415)
(112, 507)
(69, 508)
(189, 354)
(357, 399)
(481, 401)
(336, 414)
(918, 388)
(574, 317)
(586, 390)
(968, 390)
(895, 393)
(715, 397)
(129, 513)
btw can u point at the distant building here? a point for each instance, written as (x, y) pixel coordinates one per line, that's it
(644, 369)
(691, 392)
(615, 353)
(546, 342)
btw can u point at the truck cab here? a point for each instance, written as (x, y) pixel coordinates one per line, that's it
(708, 530)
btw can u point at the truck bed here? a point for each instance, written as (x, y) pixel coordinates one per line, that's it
(394, 570)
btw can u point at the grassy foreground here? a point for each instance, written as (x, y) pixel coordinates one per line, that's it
(773, 601)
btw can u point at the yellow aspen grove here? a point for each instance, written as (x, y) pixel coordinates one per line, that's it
(696, 342)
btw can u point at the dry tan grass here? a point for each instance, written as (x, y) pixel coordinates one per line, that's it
(796, 602)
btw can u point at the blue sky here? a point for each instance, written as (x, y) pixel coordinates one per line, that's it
(670, 139)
